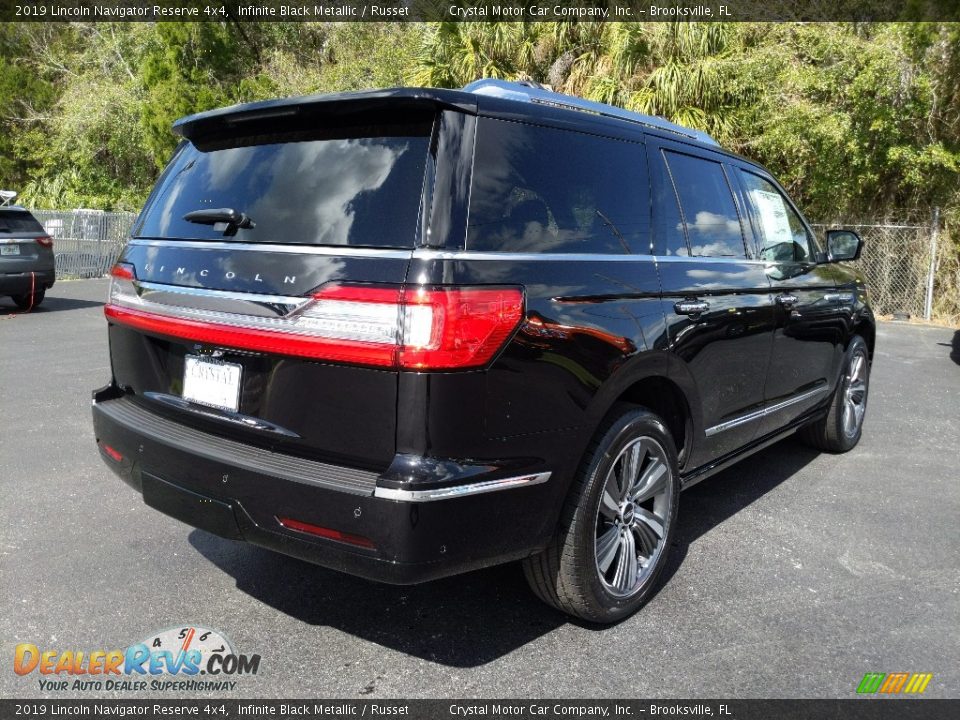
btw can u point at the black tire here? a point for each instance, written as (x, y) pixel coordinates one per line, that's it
(23, 301)
(568, 574)
(834, 432)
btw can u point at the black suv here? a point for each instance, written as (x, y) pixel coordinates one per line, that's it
(26, 255)
(412, 332)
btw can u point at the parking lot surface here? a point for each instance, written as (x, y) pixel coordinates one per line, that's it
(793, 575)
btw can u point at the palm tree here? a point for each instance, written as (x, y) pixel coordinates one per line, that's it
(678, 70)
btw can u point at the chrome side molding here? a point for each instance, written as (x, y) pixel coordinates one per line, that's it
(763, 412)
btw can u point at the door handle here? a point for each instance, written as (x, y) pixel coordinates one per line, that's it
(691, 307)
(787, 300)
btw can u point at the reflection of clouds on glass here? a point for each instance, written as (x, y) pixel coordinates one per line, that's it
(318, 204)
(712, 234)
(166, 212)
(335, 192)
(718, 279)
(729, 276)
(226, 165)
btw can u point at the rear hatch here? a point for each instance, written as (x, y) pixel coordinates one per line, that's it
(24, 244)
(257, 298)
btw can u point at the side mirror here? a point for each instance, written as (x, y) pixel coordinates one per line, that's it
(843, 245)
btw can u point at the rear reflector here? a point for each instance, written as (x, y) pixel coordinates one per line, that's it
(412, 328)
(328, 533)
(114, 454)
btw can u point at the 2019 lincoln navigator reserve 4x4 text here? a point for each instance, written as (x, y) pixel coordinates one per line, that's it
(412, 332)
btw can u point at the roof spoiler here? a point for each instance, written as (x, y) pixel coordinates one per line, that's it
(533, 93)
(266, 112)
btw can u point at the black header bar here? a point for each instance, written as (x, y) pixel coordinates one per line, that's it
(854, 709)
(479, 10)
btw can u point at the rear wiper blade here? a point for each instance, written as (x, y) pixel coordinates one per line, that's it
(226, 220)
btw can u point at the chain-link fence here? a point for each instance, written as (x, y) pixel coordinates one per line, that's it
(896, 265)
(86, 243)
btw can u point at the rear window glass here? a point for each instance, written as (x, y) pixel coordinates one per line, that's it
(18, 221)
(538, 189)
(357, 191)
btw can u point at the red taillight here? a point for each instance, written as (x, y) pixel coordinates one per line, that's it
(44, 241)
(441, 328)
(464, 328)
(328, 533)
(123, 271)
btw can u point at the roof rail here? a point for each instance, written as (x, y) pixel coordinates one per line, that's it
(532, 93)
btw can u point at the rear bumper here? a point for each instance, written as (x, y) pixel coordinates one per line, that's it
(392, 527)
(19, 283)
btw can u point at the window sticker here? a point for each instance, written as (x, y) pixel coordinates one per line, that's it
(773, 217)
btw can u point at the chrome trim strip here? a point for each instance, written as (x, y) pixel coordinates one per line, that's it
(424, 253)
(265, 311)
(225, 294)
(763, 412)
(331, 250)
(709, 260)
(429, 254)
(460, 490)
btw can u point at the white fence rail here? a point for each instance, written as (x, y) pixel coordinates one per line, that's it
(86, 243)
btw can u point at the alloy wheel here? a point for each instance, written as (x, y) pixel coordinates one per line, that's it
(632, 515)
(855, 394)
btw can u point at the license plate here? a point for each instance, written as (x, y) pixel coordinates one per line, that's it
(210, 382)
(9, 249)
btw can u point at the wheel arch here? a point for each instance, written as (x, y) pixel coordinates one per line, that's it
(664, 397)
(867, 329)
(649, 385)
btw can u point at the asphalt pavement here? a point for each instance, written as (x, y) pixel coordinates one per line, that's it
(794, 573)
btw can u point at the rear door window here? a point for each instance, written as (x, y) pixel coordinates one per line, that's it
(13, 222)
(710, 217)
(540, 189)
(350, 191)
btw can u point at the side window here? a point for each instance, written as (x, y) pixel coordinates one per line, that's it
(710, 216)
(539, 189)
(669, 236)
(783, 236)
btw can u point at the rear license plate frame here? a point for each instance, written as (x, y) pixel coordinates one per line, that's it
(212, 382)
